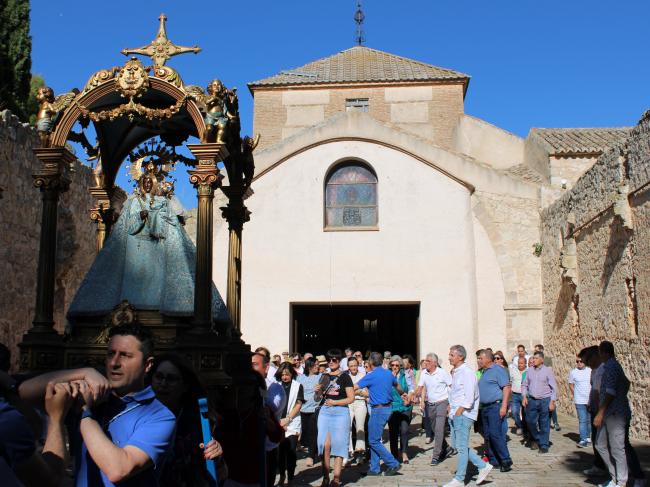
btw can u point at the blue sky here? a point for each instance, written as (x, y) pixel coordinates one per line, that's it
(551, 63)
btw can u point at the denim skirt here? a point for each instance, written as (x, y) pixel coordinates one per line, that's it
(335, 421)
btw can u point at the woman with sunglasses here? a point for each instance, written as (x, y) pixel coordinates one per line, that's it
(500, 359)
(398, 423)
(334, 418)
(178, 387)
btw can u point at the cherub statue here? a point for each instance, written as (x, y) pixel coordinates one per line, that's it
(216, 108)
(248, 146)
(49, 108)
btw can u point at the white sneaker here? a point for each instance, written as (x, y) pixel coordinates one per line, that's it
(454, 483)
(594, 471)
(608, 484)
(483, 473)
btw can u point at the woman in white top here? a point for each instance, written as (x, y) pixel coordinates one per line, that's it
(358, 411)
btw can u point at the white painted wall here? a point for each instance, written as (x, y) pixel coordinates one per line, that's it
(423, 251)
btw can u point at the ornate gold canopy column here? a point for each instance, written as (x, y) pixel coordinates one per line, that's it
(236, 214)
(41, 347)
(206, 178)
(102, 214)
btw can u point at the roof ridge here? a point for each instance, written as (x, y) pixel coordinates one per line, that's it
(361, 64)
(624, 127)
(404, 58)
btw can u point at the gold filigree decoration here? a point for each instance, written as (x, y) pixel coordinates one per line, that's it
(100, 77)
(132, 80)
(123, 314)
(161, 48)
(163, 157)
(168, 74)
(132, 110)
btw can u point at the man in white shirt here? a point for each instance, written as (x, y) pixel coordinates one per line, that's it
(463, 411)
(521, 352)
(436, 381)
(344, 361)
(516, 370)
(580, 385)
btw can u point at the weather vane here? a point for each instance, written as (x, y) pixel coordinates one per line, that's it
(161, 48)
(359, 18)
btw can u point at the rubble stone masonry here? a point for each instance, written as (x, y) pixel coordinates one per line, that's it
(608, 213)
(20, 220)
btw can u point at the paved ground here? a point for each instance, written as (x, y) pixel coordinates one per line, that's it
(562, 466)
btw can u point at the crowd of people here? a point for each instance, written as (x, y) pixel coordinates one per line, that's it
(346, 400)
(139, 423)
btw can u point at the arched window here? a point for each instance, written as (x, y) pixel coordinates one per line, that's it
(351, 197)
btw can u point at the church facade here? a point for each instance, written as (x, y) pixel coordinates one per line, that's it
(385, 217)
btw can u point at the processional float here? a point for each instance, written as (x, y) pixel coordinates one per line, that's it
(129, 105)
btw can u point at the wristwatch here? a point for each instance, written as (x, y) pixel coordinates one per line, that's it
(86, 413)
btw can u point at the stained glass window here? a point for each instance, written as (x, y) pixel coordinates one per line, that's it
(351, 197)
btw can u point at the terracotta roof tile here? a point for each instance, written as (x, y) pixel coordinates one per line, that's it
(360, 64)
(580, 140)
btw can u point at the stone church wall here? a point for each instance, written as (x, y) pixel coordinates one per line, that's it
(20, 220)
(611, 296)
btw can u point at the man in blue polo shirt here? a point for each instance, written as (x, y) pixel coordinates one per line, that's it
(124, 429)
(494, 392)
(126, 437)
(380, 383)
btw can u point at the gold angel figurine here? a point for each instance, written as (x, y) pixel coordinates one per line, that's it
(215, 107)
(49, 108)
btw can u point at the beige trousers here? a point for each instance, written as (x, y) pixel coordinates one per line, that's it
(358, 411)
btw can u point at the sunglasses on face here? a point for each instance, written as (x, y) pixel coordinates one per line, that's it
(498, 358)
(332, 359)
(394, 365)
(578, 361)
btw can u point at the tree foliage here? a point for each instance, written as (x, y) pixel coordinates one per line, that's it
(15, 56)
(31, 107)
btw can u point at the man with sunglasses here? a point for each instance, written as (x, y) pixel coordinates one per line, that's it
(380, 383)
(580, 385)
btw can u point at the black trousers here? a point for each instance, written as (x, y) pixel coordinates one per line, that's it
(309, 434)
(287, 456)
(271, 466)
(398, 427)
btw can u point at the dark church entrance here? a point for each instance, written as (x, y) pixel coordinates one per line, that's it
(366, 327)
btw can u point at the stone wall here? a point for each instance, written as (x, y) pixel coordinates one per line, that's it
(512, 224)
(431, 112)
(20, 220)
(610, 296)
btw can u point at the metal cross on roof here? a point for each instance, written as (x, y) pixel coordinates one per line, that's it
(359, 17)
(161, 48)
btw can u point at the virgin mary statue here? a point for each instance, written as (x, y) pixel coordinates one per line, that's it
(148, 260)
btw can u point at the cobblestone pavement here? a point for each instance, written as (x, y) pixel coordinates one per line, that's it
(562, 466)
